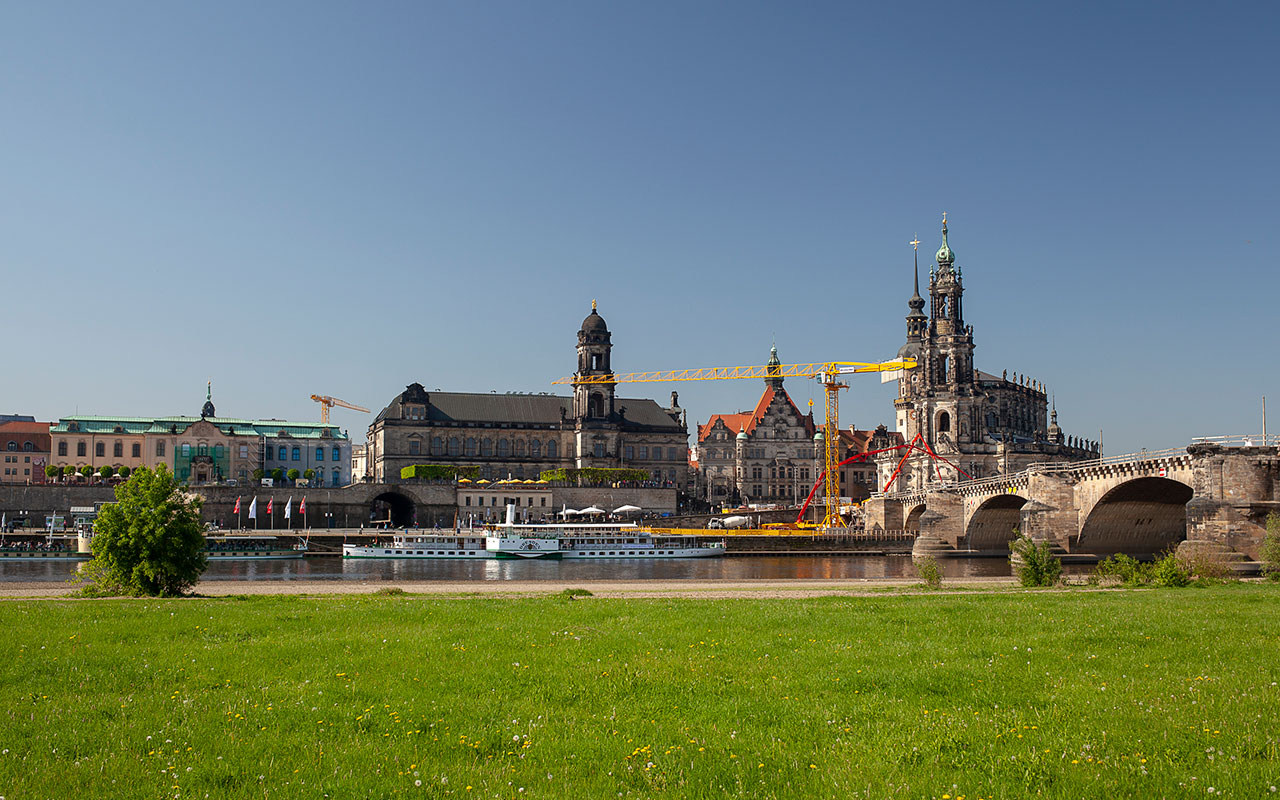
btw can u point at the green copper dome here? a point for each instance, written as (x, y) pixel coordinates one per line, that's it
(742, 434)
(944, 255)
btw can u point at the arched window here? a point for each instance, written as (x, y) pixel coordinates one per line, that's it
(595, 406)
(944, 422)
(486, 447)
(551, 448)
(117, 450)
(437, 446)
(337, 453)
(186, 450)
(535, 448)
(520, 447)
(218, 451)
(203, 450)
(62, 449)
(455, 446)
(469, 446)
(504, 448)
(297, 453)
(13, 445)
(336, 478)
(100, 450)
(284, 453)
(319, 454)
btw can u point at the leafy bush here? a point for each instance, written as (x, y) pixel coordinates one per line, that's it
(150, 541)
(86, 470)
(294, 474)
(68, 470)
(277, 474)
(594, 475)
(308, 473)
(258, 474)
(927, 569)
(52, 472)
(1168, 571)
(438, 472)
(1123, 569)
(1039, 566)
(574, 594)
(1270, 555)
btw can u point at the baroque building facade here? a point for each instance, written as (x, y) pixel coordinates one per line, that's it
(981, 423)
(522, 435)
(205, 449)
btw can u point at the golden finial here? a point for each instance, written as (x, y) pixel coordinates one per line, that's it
(593, 304)
(944, 218)
(915, 242)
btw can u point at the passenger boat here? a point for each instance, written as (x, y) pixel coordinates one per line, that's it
(565, 541)
(46, 548)
(234, 546)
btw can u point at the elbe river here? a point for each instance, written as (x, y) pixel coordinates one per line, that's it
(731, 568)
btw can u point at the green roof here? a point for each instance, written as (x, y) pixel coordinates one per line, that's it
(159, 425)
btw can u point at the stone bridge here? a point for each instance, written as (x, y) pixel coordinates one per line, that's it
(1206, 497)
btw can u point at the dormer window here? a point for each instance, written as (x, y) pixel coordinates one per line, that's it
(414, 412)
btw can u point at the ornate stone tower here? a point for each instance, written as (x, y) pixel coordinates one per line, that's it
(596, 434)
(774, 379)
(951, 363)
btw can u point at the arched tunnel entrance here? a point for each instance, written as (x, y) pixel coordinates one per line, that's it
(912, 522)
(1144, 516)
(392, 507)
(992, 524)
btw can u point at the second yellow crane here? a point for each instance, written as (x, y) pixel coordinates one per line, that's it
(326, 402)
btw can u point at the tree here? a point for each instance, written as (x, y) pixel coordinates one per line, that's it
(68, 470)
(150, 540)
(86, 470)
(106, 472)
(124, 472)
(309, 473)
(294, 474)
(277, 474)
(257, 475)
(52, 472)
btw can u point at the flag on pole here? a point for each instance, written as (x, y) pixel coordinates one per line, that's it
(253, 508)
(302, 507)
(236, 510)
(288, 509)
(270, 503)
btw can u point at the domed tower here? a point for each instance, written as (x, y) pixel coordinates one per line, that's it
(593, 401)
(917, 321)
(774, 373)
(207, 409)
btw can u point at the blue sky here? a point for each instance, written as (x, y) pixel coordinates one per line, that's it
(300, 197)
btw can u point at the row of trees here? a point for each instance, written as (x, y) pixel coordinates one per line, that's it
(87, 471)
(279, 474)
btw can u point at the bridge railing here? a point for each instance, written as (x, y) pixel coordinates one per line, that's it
(1240, 440)
(1127, 458)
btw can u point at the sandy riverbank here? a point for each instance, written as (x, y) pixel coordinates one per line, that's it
(634, 589)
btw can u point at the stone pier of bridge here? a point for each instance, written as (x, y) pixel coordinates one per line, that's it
(1206, 498)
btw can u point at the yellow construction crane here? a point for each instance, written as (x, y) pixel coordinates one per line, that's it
(828, 373)
(326, 402)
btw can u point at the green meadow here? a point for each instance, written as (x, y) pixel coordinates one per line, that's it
(1009, 694)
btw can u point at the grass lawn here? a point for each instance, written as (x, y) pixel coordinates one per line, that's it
(1075, 694)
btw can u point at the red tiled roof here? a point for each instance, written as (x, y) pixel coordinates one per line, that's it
(25, 427)
(748, 420)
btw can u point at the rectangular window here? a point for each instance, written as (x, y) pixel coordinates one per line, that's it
(136, 450)
(337, 453)
(673, 454)
(62, 449)
(629, 453)
(468, 500)
(284, 453)
(598, 450)
(269, 449)
(415, 447)
(319, 454)
(297, 454)
(244, 451)
(100, 450)
(160, 448)
(643, 452)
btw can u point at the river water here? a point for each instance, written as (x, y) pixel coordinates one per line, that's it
(731, 568)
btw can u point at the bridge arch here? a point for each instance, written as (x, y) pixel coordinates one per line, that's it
(911, 521)
(992, 523)
(392, 506)
(1143, 516)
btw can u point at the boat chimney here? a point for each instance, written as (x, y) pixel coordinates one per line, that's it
(511, 514)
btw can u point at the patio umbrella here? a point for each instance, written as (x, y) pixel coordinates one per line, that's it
(568, 512)
(591, 510)
(626, 509)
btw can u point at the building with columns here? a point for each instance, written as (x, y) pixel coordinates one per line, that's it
(981, 423)
(522, 435)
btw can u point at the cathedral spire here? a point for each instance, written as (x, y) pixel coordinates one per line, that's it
(944, 256)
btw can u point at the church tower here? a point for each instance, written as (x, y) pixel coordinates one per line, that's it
(773, 374)
(594, 416)
(951, 363)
